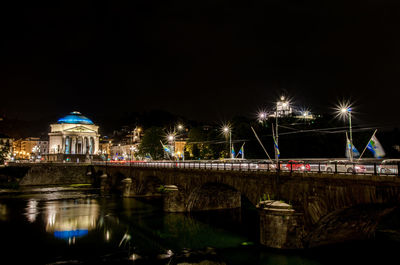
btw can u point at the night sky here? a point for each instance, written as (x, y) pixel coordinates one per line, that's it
(205, 60)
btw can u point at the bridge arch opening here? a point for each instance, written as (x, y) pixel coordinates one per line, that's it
(213, 196)
(359, 222)
(148, 186)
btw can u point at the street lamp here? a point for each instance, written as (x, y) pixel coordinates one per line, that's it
(344, 111)
(262, 116)
(171, 140)
(227, 129)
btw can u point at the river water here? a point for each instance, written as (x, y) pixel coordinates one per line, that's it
(80, 226)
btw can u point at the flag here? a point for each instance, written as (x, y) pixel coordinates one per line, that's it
(349, 147)
(375, 147)
(276, 148)
(233, 152)
(241, 150)
(166, 149)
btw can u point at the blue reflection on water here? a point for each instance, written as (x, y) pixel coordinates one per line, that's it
(72, 233)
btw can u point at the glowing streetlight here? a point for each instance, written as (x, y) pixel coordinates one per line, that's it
(180, 127)
(262, 116)
(171, 140)
(227, 130)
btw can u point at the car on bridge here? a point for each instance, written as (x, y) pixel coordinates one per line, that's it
(344, 166)
(296, 165)
(389, 166)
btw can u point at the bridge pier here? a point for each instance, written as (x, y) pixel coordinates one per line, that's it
(126, 183)
(174, 200)
(280, 226)
(104, 182)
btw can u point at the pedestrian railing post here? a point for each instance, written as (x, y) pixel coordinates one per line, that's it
(375, 172)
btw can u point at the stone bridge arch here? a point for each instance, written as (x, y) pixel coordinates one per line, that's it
(358, 222)
(209, 196)
(320, 208)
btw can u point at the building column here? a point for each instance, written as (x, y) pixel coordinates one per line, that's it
(73, 142)
(91, 145)
(62, 144)
(87, 145)
(96, 144)
(76, 146)
(81, 142)
(83, 145)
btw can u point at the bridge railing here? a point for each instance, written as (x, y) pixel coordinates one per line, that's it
(327, 167)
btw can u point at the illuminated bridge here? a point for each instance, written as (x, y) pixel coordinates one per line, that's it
(300, 205)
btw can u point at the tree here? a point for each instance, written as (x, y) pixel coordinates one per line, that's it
(198, 146)
(4, 151)
(151, 145)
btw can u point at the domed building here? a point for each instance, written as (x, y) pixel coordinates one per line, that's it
(73, 138)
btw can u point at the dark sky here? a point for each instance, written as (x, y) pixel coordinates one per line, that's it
(202, 59)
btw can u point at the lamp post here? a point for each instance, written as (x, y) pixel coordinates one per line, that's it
(226, 130)
(180, 127)
(171, 139)
(280, 106)
(347, 112)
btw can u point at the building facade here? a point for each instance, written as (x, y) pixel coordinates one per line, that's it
(127, 146)
(73, 138)
(24, 148)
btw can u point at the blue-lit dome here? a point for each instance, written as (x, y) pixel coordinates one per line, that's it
(75, 118)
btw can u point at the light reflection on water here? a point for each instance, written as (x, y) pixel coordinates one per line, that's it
(31, 210)
(3, 212)
(98, 230)
(69, 220)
